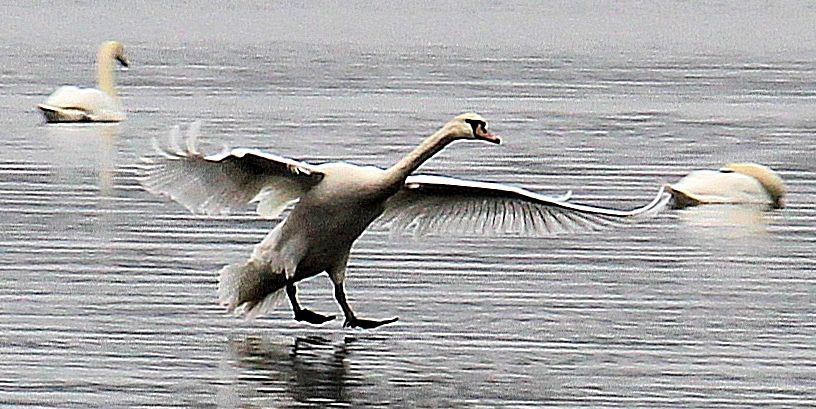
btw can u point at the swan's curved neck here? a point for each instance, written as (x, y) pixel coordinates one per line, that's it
(104, 71)
(429, 147)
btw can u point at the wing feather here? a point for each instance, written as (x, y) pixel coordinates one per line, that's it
(432, 205)
(219, 183)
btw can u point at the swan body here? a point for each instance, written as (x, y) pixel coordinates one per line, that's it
(735, 183)
(101, 104)
(336, 202)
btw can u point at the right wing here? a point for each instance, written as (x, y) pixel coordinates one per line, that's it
(437, 205)
(222, 182)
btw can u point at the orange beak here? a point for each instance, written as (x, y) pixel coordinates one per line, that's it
(489, 137)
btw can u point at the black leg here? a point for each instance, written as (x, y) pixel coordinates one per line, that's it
(302, 314)
(351, 320)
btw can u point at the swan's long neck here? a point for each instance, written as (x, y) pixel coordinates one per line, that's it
(429, 147)
(104, 71)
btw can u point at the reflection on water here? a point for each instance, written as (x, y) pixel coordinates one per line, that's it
(311, 369)
(82, 160)
(726, 221)
(79, 148)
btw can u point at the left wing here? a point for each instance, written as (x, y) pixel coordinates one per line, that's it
(433, 205)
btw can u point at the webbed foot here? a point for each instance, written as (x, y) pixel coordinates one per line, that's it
(312, 317)
(366, 324)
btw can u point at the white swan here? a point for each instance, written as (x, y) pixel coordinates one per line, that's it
(101, 104)
(735, 183)
(336, 202)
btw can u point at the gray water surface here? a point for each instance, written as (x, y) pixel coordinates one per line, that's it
(107, 297)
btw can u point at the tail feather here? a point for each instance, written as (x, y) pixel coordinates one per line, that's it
(250, 288)
(266, 305)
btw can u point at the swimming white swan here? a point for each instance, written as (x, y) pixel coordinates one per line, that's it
(337, 201)
(735, 183)
(101, 104)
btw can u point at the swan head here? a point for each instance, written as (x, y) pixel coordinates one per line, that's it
(116, 50)
(471, 126)
(772, 183)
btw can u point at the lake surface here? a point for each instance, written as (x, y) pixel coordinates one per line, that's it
(107, 297)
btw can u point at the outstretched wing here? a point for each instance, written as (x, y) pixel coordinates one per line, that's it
(442, 205)
(222, 182)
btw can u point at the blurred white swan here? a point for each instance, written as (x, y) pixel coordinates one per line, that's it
(735, 183)
(337, 201)
(101, 104)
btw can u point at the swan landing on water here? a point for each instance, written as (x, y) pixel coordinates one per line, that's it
(101, 104)
(336, 202)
